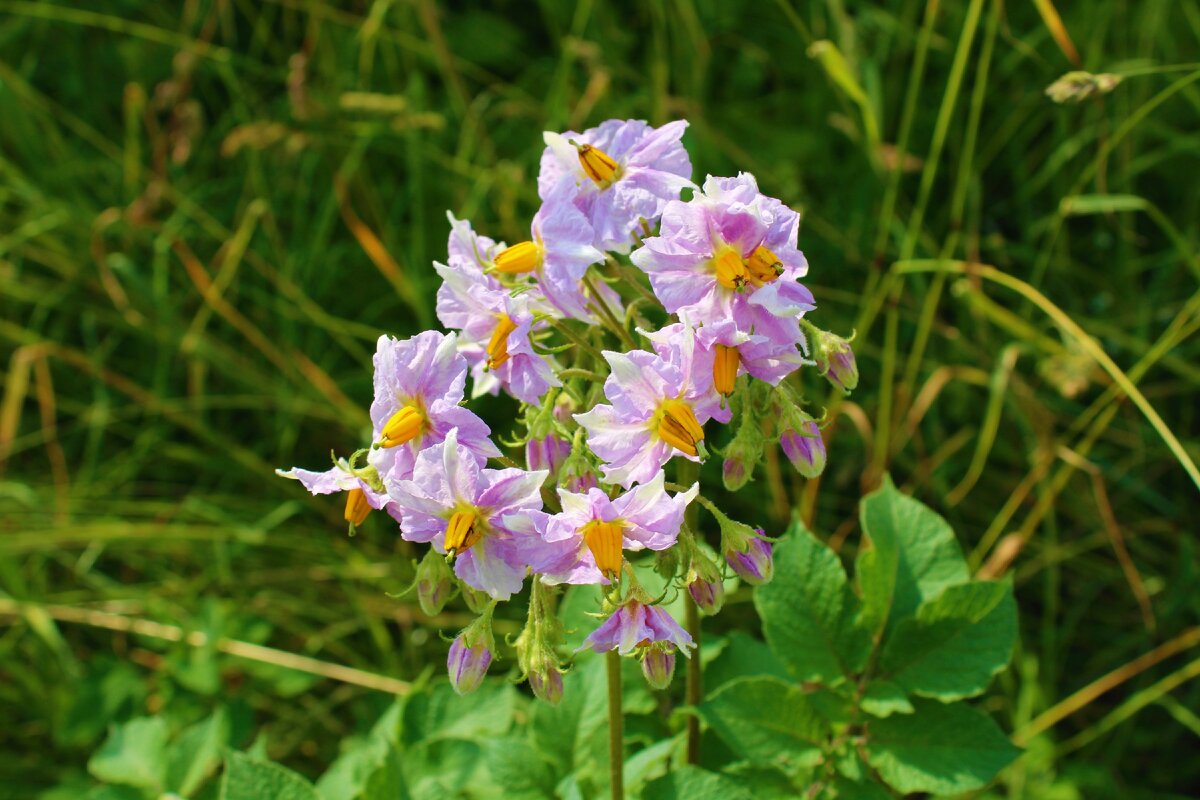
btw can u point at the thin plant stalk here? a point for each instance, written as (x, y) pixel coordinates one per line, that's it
(695, 679)
(616, 726)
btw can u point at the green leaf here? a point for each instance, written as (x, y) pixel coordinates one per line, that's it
(956, 643)
(443, 714)
(913, 556)
(247, 779)
(884, 698)
(809, 613)
(844, 789)
(515, 770)
(370, 770)
(693, 783)
(133, 754)
(741, 655)
(196, 753)
(942, 749)
(766, 721)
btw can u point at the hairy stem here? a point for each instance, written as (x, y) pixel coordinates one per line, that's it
(616, 726)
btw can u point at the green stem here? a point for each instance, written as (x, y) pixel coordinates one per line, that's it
(695, 680)
(616, 726)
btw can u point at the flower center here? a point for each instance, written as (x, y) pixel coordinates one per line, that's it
(731, 270)
(357, 506)
(462, 531)
(763, 265)
(403, 426)
(497, 346)
(604, 540)
(520, 258)
(598, 165)
(725, 368)
(678, 427)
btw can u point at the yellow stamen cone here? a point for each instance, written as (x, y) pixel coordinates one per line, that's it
(520, 258)
(679, 427)
(731, 271)
(725, 368)
(598, 165)
(402, 427)
(462, 532)
(497, 346)
(604, 540)
(763, 265)
(357, 506)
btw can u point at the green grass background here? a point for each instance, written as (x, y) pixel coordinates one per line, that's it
(209, 209)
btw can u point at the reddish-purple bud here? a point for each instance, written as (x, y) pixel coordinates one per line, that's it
(547, 684)
(548, 453)
(658, 664)
(755, 565)
(709, 595)
(835, 359)
(805, 449)
(467, 664)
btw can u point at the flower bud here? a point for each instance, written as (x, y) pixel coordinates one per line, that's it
(754, 564)
(805, 448)
(468, 663)
(547, 684)
(435, 582)
(743, 452)
(548, 453)
(577, 473)
(709, 595)
(477, 601)
(564, 408)
(705, 584)
(835, 360)
(658, 664)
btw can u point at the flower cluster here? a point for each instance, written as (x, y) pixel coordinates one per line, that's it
(563, 322)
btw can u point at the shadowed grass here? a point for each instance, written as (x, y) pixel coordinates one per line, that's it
(209, 210)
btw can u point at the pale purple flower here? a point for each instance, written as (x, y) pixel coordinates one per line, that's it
(755, 564)
(467, 664)
(805, 448)
(584, 542)
(418, 387)
(495, 333)
(730, 253)
(561, 254)
(657, 410)
(637, 625)
(450, 494)
(331, 481)
(756, 355)
(648, 168)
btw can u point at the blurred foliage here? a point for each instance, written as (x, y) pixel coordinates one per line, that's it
(210, 209)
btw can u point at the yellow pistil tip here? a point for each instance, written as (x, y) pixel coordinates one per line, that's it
(402, 427)
(518, 259)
